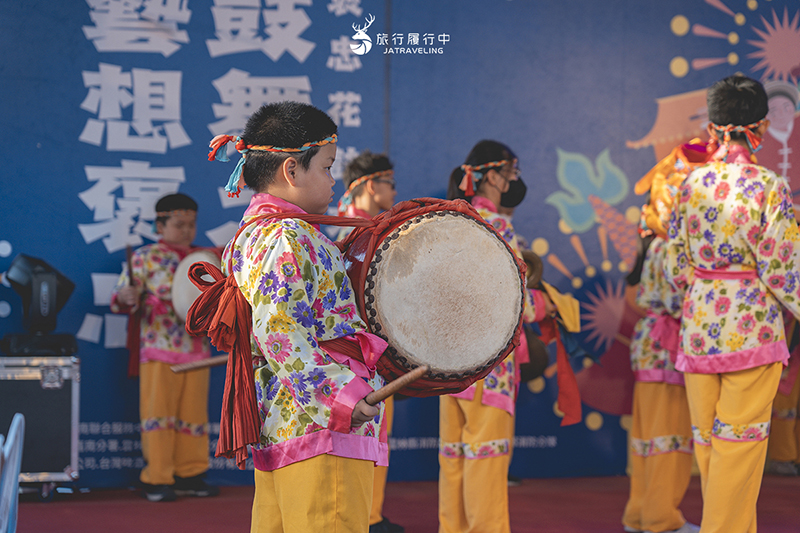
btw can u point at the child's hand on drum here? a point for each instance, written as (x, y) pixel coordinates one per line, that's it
(129, 296)
(363, 412)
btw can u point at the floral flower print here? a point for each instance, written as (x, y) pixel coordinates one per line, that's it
(278, 346)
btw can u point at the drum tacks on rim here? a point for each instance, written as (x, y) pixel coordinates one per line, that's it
(442, 288)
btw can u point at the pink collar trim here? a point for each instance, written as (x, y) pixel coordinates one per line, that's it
(356, 212)
(265, 204)
(479, 202)
(733, 153)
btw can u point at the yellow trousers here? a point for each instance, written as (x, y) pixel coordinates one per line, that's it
(173, 409)
(730, 415)
(661, 459)
(473, 474)
(323, 494)
(379, 483)
(784, 436)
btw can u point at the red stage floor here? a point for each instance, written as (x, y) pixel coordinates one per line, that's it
(576, 505)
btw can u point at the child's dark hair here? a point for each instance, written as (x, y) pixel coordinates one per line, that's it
(737, 100)
(285, 125)
(484, 152)
(366, 163)
(173, 202)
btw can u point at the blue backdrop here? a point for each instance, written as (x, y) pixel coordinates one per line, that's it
(108, 105)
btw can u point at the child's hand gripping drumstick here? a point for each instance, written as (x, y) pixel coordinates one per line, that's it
(365, 409)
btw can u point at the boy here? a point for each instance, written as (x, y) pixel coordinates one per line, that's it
(661, 432)
(369, 189)
(173, 407)
(476, 426)
(369, 186)
(319, 439)
(733, 252)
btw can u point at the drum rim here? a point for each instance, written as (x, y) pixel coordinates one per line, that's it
(371, 312)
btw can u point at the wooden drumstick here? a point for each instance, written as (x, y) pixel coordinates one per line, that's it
(394, 386)
(217, 360)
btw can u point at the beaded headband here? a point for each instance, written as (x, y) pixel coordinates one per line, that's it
(472, 174)
(347, 197)
(234, 185)
(753, 140)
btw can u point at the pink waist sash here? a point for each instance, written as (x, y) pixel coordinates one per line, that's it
(725, 273)
(666, 330)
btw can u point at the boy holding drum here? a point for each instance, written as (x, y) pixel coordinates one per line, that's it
(173, 407)
(314, 360)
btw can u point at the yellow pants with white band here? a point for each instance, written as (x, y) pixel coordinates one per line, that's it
(473, 465)
(731, 420)
(174, 414)
(379, 484)
(325, 493)
(784, 436)
(661, 457)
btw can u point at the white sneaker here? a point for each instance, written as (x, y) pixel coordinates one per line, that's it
(685, 528)
(782, 468)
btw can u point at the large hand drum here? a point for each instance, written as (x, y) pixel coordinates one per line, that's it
(184, 292)
(442, 288)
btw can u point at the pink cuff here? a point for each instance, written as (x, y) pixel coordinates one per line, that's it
(346, 400)
(660, 375)
(787, 384)
(466, 394)
(499, 401)
(320, 442)
(173, 358)
(731, 362)
(539, 304)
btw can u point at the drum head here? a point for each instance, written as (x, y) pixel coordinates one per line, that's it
(446, 292)
(184, 292)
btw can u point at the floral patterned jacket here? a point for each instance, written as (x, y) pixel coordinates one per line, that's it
(500, 386)
(733, 251)
(295, 281)
(650, 360)
(163, 335)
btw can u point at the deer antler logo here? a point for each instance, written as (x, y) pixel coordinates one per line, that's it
(364, 43)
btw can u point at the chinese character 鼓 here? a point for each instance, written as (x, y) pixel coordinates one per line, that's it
(154, 95)
(124, 221)
(236, 25)
(342, 7)
(137, 25)
(283, 28)
(342, 58)
(345, 110)
(242, 94)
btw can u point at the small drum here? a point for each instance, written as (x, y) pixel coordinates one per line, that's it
(442, 288)
(184, 292)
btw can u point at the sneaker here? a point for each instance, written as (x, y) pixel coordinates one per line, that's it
(158, 493)
(629, 529)
(385, 526)
(194, 486)
(685, 528)
(782, 468)
(514, 481)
